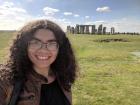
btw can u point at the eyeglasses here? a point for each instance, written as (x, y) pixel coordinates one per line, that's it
(37, 44)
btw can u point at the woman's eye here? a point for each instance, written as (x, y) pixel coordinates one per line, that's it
(53, 43)
(35, 42)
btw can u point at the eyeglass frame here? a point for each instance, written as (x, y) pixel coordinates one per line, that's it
(42, 43)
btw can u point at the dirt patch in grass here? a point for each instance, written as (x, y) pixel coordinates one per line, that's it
(136, 53)
(111, 40)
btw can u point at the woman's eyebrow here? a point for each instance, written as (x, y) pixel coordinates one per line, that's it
(37, 39)
(51, 40)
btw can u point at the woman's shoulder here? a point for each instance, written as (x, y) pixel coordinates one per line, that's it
(5, 85)
(5, 74)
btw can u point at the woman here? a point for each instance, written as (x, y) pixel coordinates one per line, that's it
(43, 59)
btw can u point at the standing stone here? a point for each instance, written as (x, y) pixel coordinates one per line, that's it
(82, 29)
(77, 29)
(68, 29)
(112, 30)
(72, 30)
(100, 29)
(86, 29)
(93, 29)
(104, 30)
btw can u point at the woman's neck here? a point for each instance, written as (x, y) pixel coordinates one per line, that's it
(47, 73)
(42, 71)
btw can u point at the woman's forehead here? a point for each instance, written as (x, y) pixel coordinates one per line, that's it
(44, 35)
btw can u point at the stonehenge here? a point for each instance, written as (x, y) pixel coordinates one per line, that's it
(89, 29)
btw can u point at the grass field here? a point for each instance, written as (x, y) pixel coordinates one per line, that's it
(5, 42)
(109, 71)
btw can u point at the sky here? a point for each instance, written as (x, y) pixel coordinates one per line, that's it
(124, 15)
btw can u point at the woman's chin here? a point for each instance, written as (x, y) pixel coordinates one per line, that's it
(42, 66)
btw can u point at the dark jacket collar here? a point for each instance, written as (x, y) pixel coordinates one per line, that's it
(40, 79)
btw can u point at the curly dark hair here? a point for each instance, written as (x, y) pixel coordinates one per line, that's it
(65, 64)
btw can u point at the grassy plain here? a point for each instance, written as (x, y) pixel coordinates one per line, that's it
(109, 73)
(5, 43)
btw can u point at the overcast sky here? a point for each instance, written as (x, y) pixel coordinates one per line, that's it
(124, 15)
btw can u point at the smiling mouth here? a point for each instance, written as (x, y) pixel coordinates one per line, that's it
(42, 57)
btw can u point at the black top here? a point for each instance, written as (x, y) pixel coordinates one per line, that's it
(52, 94)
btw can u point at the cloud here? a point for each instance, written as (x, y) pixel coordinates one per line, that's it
(120, 25)
(63, 23)
(67, 13)
(127, 25)
(100, 22)
(8, 8)
(87, 17)
(7, 4)
(95, 22)
(12, 16)
(70, 14)
(103, 9)
(76, 15)
(29, 1)
(50, 11)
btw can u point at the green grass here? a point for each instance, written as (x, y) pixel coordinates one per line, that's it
(109, 73)
(5, 43)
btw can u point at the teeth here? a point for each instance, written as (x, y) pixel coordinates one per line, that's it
(42, 57)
